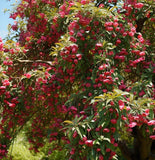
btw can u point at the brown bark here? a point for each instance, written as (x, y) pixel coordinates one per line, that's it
(141, 147)
(140, 24)
(36, 61)
(127, 154)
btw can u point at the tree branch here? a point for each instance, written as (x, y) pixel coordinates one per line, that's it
(36, 61)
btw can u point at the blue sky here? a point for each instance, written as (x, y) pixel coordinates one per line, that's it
(4, 17)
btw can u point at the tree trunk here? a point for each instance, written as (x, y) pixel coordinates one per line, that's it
(141, 147)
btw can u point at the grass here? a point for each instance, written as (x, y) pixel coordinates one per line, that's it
(20, 151)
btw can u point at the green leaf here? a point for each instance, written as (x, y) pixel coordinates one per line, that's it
(78, 130)
(112, 9)
(69, 122)
(107, 139)
(73, 8)
(102, 146)
(131, 97)
(151, 115)
(96, 142)
(119, 92)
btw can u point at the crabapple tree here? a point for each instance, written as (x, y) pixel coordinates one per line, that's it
(81, 72)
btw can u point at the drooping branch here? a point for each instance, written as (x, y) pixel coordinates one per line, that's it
(36, 61)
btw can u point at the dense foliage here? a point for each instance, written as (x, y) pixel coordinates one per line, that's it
(80, 72)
